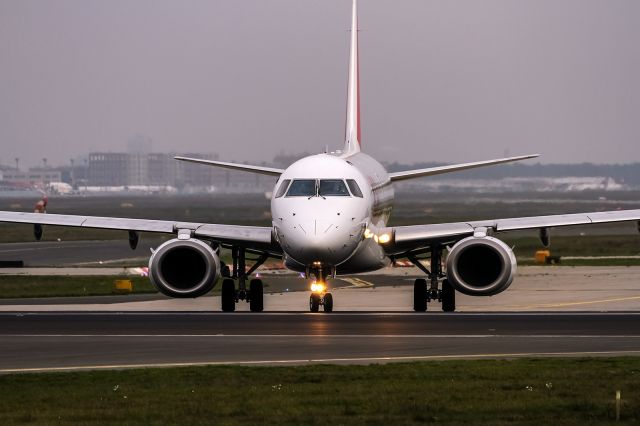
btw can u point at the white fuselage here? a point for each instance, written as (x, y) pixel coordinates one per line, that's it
(333, 233)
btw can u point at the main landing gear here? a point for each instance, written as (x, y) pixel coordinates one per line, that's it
(424, 292)
(254, 295)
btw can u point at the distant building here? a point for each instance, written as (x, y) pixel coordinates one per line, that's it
(75, 175)
(115, 169)
(32, 177)
(198, 175)
(160, 169)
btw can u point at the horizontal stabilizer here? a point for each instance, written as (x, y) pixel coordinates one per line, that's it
(235, 166)
(411, 174)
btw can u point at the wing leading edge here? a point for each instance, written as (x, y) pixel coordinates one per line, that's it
(256, 237)
(415, 236)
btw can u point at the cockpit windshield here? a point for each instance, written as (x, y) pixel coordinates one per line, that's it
(333, 187)
(302, 188)
(318, 188)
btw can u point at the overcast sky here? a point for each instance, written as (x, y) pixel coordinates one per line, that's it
(440, 80)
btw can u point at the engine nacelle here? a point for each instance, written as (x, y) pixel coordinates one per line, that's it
(184, 268)
(481, 266)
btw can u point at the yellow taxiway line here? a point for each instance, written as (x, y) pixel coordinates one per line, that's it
(357, 282)
(588, 302)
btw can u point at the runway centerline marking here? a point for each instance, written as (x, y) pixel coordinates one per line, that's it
(318, 360)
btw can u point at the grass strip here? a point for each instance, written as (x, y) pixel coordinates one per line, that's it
(15, 286)
(562, 391)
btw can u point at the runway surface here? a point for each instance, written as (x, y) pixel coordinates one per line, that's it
(69, 341)
(58, 334)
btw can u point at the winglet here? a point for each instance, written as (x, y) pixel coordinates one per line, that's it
(352, 131)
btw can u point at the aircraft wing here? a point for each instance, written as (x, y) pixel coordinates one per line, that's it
(270, 171)
(252, 237)
(405, 238)
(431, 171)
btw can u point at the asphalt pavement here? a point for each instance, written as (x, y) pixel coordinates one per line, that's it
(71, 341)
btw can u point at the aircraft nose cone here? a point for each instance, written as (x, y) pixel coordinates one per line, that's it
(322, 239)
(330, 242)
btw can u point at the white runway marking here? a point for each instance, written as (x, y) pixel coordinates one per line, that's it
(321, 314)
(346, 336)
(319, 361)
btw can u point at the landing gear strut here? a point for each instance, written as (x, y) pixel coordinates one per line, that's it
(254, 295)
(424, 293)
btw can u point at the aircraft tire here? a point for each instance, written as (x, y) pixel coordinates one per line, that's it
(228, 295)
(314, 302)
(256, 298)
(420, 295)
(328, 302)
(448, 297)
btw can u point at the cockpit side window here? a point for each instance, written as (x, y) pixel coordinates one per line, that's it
(283, 188)
(302, 188)
(333, 187)
(355, 189)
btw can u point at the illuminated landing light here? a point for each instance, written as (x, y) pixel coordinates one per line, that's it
(318, 287)
(380, 239)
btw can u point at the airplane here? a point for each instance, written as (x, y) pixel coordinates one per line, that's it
(329, 217)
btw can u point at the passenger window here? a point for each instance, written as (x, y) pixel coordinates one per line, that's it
(355, 189)
(333, 187)
(302, 188)
(283, 188)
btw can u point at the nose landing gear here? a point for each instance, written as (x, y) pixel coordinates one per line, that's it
(320, 298)
(319, 294)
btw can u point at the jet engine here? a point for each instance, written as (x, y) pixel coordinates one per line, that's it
(481, 266)
(184, 268)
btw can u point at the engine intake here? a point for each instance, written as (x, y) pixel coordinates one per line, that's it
(184, 268)
(481, 266)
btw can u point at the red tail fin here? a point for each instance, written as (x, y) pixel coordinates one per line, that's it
(353, 131)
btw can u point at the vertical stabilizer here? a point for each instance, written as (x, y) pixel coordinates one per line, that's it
(352, 137)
